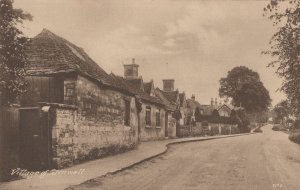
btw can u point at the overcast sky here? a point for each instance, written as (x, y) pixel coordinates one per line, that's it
(194, 42)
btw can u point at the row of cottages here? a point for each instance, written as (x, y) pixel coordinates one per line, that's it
(74, 111)
(222, 109)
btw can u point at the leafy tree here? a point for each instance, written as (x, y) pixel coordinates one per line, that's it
(12, 52)
(243, 121)
(282, 111)
(285, 47)
(245, 89)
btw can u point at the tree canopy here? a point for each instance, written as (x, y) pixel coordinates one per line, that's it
(245, 89)
(282, 111)
(12, 51)
(285, 47)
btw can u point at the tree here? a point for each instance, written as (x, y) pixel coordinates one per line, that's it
(12, 52)
(198, 114)
(282, 111)
(285, 47)
(245, 89)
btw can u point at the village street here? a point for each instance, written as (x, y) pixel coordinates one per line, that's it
(261, 161)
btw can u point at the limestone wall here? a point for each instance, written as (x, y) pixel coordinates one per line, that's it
(152, 132)
(95, 128)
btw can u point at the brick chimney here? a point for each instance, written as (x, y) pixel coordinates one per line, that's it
(131, 71)
(168, 85)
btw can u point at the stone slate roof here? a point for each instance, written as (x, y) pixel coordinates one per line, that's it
(137, 91)
(50, 54)
(171, 106)
(172, 96)
(137, 83)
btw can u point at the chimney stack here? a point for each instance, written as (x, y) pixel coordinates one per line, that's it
(193, 97)
(212, 102)
(131, 71)
(168, 85)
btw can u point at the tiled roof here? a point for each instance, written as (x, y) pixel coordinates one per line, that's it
(50, 54)
(169, 105)
(172, 96)
(135, 90)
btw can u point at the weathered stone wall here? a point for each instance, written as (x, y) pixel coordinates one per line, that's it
(152, 132)
(96, 128)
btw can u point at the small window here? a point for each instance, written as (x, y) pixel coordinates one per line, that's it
(70, 90)
(157, 117)
(127, 113)
(148, 115)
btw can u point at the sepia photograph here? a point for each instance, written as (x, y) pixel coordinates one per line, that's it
(149, 94)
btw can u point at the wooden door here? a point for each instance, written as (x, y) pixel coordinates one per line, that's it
(34, 140)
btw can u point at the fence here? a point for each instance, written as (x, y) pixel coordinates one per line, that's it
(210, 130)
(9, 139)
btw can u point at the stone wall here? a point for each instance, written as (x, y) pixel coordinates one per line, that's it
(152, 132)
(95, 128)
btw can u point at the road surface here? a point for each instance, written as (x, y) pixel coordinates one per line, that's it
(260, 161)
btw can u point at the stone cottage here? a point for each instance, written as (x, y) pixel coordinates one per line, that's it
(88, 113)
(178, 100)
(152, 115)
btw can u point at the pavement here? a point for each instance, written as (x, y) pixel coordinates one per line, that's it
(265, 161)
(101, 167)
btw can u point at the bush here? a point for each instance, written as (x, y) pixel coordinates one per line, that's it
(296, 124)
(295, 136)
(278, 128)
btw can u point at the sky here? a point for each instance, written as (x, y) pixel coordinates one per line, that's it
(194, 42)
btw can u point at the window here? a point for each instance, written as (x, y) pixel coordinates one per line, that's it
(157, 114)
(70, 90)
(127, 113)
(148, 115)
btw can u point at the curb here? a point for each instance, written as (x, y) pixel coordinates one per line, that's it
(167, 146)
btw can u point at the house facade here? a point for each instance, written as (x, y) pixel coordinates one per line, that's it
(178, 100)
(153, 116)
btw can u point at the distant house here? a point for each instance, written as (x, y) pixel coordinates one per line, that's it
(225, 110)
(84, 111)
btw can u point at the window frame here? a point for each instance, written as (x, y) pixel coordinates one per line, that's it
(148, 116)
(157, 118)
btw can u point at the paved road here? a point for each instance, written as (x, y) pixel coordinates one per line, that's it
(262, 161)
